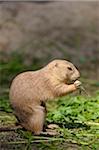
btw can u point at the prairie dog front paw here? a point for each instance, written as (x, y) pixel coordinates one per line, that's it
(77, 83)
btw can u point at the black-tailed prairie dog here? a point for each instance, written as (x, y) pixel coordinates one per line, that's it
(32, 88)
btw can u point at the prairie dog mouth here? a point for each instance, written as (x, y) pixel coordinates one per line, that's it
(71, 82)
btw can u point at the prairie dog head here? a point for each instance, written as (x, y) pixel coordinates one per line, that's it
(64, 70)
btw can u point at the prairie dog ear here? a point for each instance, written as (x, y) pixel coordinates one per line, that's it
(56, 64)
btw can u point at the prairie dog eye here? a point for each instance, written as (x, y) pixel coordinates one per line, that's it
(69, 68)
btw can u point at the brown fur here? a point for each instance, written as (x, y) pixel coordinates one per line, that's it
(30, 89)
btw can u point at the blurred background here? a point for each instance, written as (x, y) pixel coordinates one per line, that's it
(34, 33)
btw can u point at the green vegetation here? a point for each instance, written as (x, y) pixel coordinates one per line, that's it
(78, 118)
(75, 109)
(76, 115)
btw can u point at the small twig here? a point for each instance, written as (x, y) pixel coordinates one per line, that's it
(10, 128)
(44, 139)
(92, 123)
(84, 90)
(89, 123)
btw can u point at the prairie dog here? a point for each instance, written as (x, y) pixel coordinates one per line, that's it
(32, 88)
